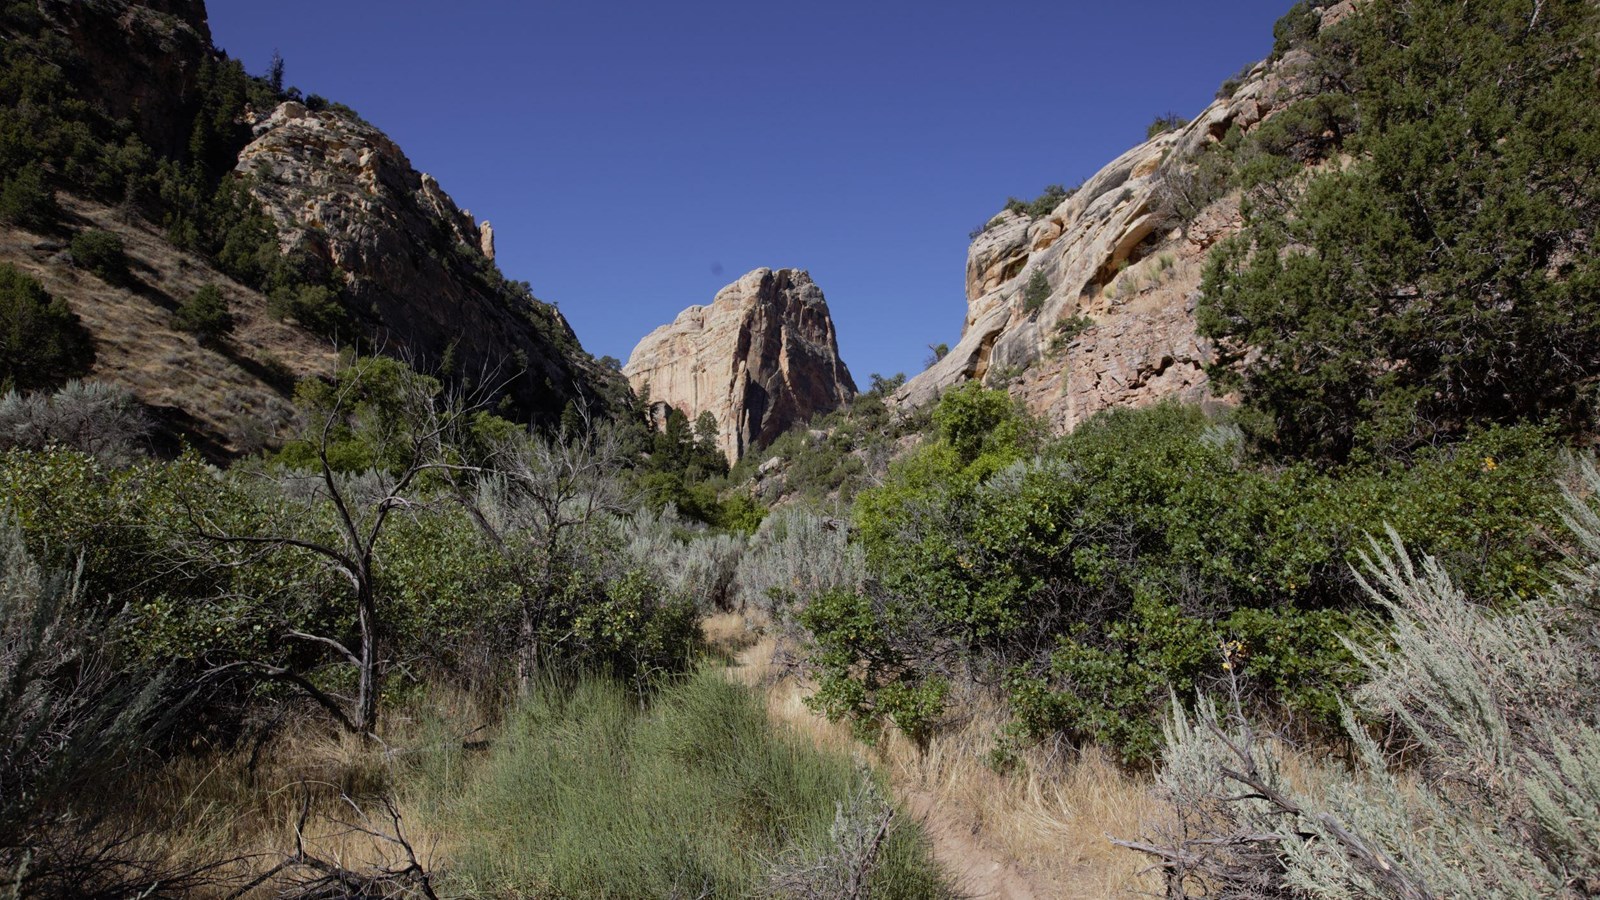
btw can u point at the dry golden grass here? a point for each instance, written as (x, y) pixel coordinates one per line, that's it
(228, 394)
(1040, 830)
(309, 786)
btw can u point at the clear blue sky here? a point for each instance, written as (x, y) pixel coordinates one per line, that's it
(634, 157)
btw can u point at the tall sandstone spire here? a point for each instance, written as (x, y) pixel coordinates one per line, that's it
(761, 358)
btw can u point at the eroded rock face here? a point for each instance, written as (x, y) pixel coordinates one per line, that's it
(1117, 327)
(761, 357)
(347, 202)
(142, 61)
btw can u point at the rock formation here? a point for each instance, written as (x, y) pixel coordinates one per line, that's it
(486, 239)
(761, 358)
(349, 205)
(1117, 326)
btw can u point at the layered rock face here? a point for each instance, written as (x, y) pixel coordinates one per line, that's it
(348, 202)
(1117, 326)
(761, 357)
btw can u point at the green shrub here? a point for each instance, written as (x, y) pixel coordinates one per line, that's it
(1042, 205)
(1470, 786)
(1163, 124)
(1111, 568)
(42, 342)
(311, 306)
(1068, 329)
(1035, 292)
(205, 314)
(1231, 85)
(1297, 26)
(102, 253)
(27, 201)
(1396, 302)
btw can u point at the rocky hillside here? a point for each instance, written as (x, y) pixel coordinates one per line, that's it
(349, 206)
(761, 358)
(1092, 304)
(312, 222)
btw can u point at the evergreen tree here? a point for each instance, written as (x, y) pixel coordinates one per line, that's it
(1447, 276)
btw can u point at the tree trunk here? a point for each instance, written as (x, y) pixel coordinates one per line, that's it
(366, 716)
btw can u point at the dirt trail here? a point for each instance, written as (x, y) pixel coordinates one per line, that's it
(977, 870)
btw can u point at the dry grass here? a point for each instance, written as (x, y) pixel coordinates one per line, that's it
(308, 785)
(228, 394)
(1047, 820)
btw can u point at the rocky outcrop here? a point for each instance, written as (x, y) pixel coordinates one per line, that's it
(1117, 325)
(761, 358)
(350, 207)
(486, 239)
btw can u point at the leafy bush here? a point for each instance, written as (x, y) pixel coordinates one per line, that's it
(1035, 292)
(1042, 205)
(1101, 575)
(311, 306)
(1490, 797)
(102, 253)
(1298, 25)
(27, 201)
(630, 626)
(1231, 85)
(1458, 212)
(1068, 329)
(205, 314)
(42, 342)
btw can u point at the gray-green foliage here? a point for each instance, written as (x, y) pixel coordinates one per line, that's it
(1498, 794)
(68, 724)
(690, 560)
(844, 867)
(794, 556)
(102, 420)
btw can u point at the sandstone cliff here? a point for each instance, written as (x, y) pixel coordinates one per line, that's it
(762, 357)
(1116, 326)
(414, 265)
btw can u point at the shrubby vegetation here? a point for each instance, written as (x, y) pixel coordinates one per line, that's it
(102, 253)
(588, 795)
(1163, 124)
(1445, 277)
(1094, 574)
(1494, 712)
(206, 314)
(44, 342)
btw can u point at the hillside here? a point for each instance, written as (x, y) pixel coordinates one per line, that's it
(122, 117)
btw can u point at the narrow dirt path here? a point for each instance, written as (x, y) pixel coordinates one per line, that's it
(977, 870)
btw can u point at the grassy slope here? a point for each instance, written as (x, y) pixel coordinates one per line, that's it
(226, 400)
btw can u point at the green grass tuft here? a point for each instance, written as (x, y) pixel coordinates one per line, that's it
(587, 794)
